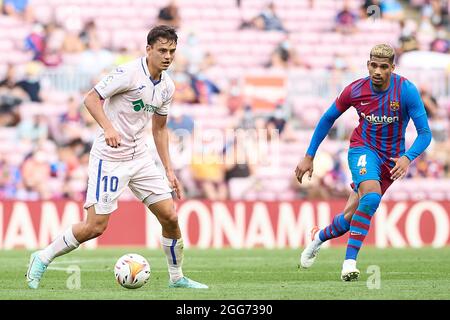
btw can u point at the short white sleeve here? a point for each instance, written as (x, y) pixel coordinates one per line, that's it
(117, 81)
(167, 96)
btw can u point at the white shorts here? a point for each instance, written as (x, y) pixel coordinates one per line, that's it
(108, 179)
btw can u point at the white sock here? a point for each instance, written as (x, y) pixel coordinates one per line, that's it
(63, 244)
(317, 238)
(173, 249)
(349, 263)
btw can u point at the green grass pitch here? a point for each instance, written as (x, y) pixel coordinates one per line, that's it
(257, 274)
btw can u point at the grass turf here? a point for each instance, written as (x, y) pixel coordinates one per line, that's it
(256, 274)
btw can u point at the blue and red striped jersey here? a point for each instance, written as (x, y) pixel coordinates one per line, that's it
(383, 115)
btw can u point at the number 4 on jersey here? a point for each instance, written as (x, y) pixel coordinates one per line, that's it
(362, 161)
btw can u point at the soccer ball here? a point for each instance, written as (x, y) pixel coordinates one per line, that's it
(132, 271)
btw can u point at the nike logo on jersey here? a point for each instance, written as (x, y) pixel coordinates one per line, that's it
(365, 103)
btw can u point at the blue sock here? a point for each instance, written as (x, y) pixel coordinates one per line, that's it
(337, 228)
(359, 227)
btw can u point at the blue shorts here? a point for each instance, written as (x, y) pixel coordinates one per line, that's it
(365, 164)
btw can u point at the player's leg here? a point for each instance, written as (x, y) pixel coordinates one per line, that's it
(171, 240)
(105, 184)
(152, 188)
(339, 226)
(365, 166)
(370, 197)
(69, 240)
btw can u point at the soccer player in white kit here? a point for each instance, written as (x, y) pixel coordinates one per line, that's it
(133, 94)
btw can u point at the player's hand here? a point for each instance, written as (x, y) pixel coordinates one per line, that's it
(112, 137)
(306, 165)
(174, 183)
(401, 167)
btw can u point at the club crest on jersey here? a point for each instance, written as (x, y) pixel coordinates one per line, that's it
(362, 171)
(164, 94)
(106, 198)
(395, 105)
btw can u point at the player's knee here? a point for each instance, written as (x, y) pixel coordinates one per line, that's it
(170, 221)
(371, 201)
(96, 229)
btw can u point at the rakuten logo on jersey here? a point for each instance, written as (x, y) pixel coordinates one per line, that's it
(379, 119)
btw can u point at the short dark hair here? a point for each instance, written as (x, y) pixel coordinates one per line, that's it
(161, 31)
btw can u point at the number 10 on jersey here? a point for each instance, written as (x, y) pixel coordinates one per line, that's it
(113, 183)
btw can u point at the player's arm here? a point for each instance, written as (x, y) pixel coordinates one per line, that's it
(161, 137)
(321, 131)
(116, 82)
(93, 104)
(341, 104)
(416, 110)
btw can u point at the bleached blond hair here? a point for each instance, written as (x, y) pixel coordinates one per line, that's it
(383, 51)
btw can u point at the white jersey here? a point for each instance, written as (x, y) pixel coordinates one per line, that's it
(131, 97)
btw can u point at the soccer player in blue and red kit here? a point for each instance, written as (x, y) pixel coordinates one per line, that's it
(385, 102)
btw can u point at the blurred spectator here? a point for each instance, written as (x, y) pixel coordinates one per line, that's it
(36, 174)
(346, 20)
(441, 43)
(340, 63)
(424, 167)
(35, 41)
(430, 102)
(180, 121)
(33, 129)
(285, 56)
(407, 40)
(208, 169)
(239, 170)
(88, 33)
(180, 147)
(235, 97)
(72, 42)
(46, 43)
(392, 10)
(124, 56)
(31, 82)
(54, 40)
(11, 96)
(70, 123)
(335, 180)
(266, 20)
(9, 177)
(169, 15)
(436, 11)
(95, 59)
(18, 8)
(204, 88)
(246, 118)
(184, 91)
(193, 54)
(278, 119)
